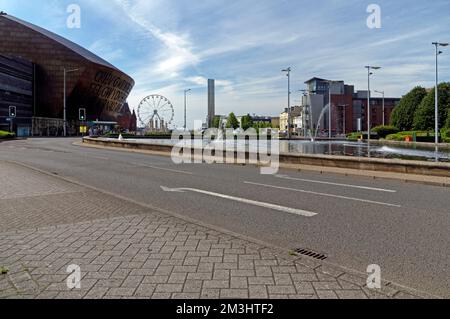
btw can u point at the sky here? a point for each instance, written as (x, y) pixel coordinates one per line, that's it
(168, 46)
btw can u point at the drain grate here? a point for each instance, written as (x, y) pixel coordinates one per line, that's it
(311, 253)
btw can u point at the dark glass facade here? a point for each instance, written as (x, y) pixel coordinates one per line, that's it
(16, 89)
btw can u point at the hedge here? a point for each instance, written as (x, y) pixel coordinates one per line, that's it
(5, 135)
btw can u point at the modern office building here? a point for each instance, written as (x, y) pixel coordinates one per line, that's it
(52, 63)
(348, 108)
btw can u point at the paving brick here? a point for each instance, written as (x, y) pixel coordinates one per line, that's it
(258, 292)
(177, 278)
(242, 273)
(169, 288)
(304, 288)
(327, 294)
(326, 286)
(216, 284)
(200, 276)
(261, 281)
(186, 295)
(96, 293)
(351, 294)
(210, 294)
(145, 290)
(132, 281)
(193, 286)
(239, 283)
(121, 292)
(234, 293)
(285, 290)
(222, 274)
(155, 279)
(304, 277)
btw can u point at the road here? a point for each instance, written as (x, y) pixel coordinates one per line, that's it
(355, 221)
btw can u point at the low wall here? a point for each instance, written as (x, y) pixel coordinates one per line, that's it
(360, 163)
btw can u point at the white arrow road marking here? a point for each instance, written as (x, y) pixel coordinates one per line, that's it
(323, 194)
(163, 169)
(243, 200)
(336, 184)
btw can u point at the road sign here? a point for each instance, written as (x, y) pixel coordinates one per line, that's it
(83, 129)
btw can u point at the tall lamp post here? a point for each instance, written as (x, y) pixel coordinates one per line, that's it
(436, 99)
(344, 123)
(369, 73)
(384, 109)
(288, 71)
(65, 99)
(185, 108)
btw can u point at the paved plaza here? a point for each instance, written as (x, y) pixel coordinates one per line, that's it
(126, 250)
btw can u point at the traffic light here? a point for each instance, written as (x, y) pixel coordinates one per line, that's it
(12, 111)
(82, 114)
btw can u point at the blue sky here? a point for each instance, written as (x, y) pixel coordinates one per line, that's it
(170, 45)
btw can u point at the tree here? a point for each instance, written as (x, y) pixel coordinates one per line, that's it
(246, 122)
(447, 123)
(232, 121)
(403, 115)
(424, 117)
(216, 122)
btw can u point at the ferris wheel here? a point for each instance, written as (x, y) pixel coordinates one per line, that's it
(155, 112)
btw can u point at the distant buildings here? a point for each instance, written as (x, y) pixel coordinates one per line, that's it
(296, 111)
(348, 109)
(270, 121)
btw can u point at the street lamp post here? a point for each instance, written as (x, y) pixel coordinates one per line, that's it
(436, 99)
(288, 71)
(369, 73)
(329, 110)
(185, 108)
(65, 102)
(344, 125)
(384, 110)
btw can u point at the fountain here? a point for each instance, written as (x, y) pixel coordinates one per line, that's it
(322, 114)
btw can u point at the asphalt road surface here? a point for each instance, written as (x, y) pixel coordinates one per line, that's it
(355, 221)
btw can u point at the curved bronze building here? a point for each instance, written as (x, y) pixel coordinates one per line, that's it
(95, 85)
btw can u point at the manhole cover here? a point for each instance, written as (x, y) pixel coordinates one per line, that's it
(311, 253)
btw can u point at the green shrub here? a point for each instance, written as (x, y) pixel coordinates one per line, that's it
(384, 131)
(355, 136)
(5, 135)
(400, 136)
(445, 133)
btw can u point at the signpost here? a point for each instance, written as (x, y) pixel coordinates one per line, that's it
(82, 118)
(12, 116)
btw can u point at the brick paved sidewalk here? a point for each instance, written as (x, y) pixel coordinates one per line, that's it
(126, 250)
